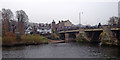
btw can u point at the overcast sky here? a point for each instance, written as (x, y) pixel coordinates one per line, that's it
(44, 11)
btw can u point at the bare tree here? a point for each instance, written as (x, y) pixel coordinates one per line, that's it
(22, 21)
(22, 16)
(7, 15)
(113, 21)
(0, 23)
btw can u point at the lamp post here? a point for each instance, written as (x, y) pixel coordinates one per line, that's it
(80, 20)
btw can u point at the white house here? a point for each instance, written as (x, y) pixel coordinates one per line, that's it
(28, 30)
(44, 31)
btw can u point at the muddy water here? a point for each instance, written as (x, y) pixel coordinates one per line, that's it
(61, 50)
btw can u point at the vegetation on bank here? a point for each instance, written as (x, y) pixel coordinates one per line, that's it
(34, 39)
(80, 38)
(106, 39)
(11, 39)
(54, 36)
(0, 38)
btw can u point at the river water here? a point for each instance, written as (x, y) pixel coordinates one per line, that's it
(61, 50)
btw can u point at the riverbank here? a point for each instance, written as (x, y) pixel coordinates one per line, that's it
(21, 44)
(27, 44)
(11, 39)
(57, 41)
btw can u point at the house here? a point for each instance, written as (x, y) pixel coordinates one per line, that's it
(29, 30)
(38, 28)
(44, 28)
(44, 31)
(62, 25)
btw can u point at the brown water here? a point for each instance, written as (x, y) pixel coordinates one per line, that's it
(61, 50)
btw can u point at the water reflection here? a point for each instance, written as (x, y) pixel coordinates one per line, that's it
(62, 50)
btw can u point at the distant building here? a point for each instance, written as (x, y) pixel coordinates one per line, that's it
(53, 26)
(62, 25)
(29, 30)
(44, 28)
(44, 31)
(38, 28)
(67, 23)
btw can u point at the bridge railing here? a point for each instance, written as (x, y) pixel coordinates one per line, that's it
(87, 27)
(78, 28)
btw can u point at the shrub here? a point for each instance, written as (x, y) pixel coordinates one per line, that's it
(34, 39)
(0, 40)
(9, 38)
(54, 36)
(18, 37)
(27, 38)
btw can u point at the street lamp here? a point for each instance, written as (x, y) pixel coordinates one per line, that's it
(80, 20)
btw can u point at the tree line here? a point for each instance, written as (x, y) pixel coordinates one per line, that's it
(13, 23)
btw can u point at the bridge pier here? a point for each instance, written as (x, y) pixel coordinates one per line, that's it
(62, 36)
(108, 36)
(116, 34)
(70, 37)
(93, 36)
(66, 37)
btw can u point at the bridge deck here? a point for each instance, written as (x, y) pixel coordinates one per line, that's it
(87, 30)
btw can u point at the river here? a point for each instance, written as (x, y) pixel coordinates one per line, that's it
(61, 50)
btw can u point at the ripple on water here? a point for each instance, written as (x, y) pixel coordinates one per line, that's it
(61, 50)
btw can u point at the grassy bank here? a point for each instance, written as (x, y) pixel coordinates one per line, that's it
(10, 39)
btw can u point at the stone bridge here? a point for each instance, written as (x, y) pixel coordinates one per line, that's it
(92, 35)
